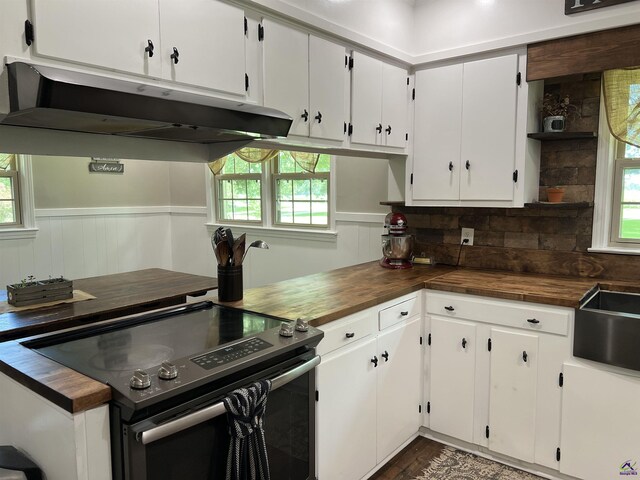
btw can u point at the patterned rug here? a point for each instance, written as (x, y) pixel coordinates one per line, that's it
(454, 464)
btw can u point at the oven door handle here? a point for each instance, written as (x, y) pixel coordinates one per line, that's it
(217, 409)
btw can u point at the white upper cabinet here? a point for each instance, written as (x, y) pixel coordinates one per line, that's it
(379, 102)
(436, 138)
(305, 77)
(488, 128)
(470, 135)
(203, 44)
(286, 73)
(328, 78)
(99, 33)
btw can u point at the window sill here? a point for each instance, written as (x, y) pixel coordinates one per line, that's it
(280, 232)
(17, 233)
(616, 250)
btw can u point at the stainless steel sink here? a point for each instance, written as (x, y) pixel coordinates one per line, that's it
(607, 328)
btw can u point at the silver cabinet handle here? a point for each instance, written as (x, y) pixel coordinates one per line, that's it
(217, 409)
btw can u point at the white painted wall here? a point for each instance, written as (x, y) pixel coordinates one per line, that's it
(445, 28)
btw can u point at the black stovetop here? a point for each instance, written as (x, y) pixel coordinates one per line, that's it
(204, 341)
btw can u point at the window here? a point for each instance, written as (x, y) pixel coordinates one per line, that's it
(276, 193)
(625, 225)
(10, 213)
(616, 221)
(239, 187)
(302, 198)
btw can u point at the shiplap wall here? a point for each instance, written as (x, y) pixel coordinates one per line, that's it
(79, 243)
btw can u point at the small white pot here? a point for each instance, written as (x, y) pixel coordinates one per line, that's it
(555, 123)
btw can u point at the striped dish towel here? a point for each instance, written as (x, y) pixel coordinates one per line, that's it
(247, 459)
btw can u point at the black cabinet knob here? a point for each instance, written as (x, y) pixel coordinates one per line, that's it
(318, 117)
(464, 343)
(450, 166)
(449, 308)
(175, 56)
(149, 48)
(467, 164)
(388, 129)
(350, 334)
(533, 320)
(305, 115)
(374, 360)
(525, 356)
(379, 128)
(404, 314)
(385, 355)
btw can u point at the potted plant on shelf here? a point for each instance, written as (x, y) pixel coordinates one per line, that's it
(555, 194)
(555, 110)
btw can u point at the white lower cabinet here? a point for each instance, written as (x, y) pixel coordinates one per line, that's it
(453, 360)
(494, 373)
(369, 388)
(600, 418)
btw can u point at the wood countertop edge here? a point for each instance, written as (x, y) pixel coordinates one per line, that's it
(62, 386)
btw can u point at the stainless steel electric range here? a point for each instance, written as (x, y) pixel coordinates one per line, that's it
(169, 371)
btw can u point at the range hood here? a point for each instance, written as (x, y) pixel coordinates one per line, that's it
(53, 98)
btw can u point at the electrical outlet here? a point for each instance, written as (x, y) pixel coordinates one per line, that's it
(467, 233)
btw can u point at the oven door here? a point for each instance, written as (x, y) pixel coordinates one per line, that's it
(194, 443)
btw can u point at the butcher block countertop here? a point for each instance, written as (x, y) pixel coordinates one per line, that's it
(324, 297)
(321, 297)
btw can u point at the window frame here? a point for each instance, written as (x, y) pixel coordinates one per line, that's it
(27, 227)
(238, 176)
(15, 186)
(605, 188)
(275, 176)
(620, 164)
(268, 224)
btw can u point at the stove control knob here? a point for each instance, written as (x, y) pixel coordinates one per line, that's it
(140, 380)
(167, 371)
(286, 329)
(302, 325)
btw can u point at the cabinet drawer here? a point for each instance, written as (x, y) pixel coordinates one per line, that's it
(347, 330)
(525, 315)
(400, 311)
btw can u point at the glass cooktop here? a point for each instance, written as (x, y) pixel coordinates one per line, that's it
(114, 351)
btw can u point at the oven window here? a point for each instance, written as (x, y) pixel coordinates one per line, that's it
(200, 452)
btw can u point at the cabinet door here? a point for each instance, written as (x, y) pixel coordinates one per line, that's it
(366, 99)
(209, 37)
(286, 73)
(600, 416)
(327, 80)
(488, 128)
(437, 132)
(394, 105)
(346, 412)
(512, 397)
(453, 361)
(398, 386)
(99, 33)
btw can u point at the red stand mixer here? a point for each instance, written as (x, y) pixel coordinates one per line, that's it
(397, 246)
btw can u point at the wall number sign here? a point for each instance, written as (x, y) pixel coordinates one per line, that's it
(577, 6)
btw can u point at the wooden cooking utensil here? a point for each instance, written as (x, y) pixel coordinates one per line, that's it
(238, 249)
(224, 252)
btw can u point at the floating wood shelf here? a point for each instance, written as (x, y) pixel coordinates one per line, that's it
(559, 205)
(561, 135)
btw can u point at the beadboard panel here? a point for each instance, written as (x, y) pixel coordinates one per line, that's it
(80, 246)
(95, 242)
(355, 242)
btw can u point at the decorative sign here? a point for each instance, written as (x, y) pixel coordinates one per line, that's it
(577, 6)
(106, 167)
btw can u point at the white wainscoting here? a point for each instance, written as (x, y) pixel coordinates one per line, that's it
(86, 242)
